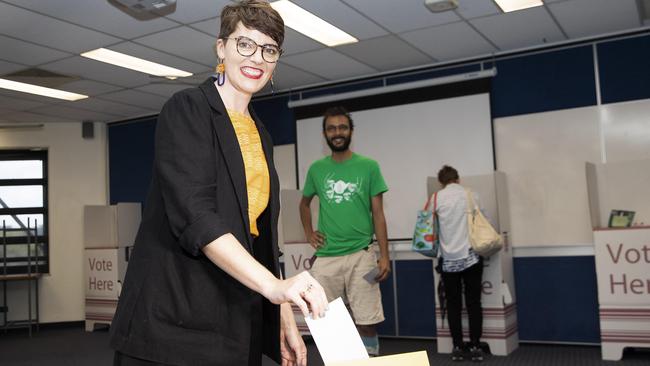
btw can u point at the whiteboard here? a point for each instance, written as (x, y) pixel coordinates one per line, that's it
(411, 142)
(544, 155)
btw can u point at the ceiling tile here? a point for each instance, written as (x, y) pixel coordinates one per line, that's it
(27, 53)
(16, 104)
(184, 42)
(73, 114)
(449, 41)
(99, 15)
(328, 64)
(9, 67)
(98, 71)
(105, 106)
(386, 53)
(471, 8)
(210, 26)
(137, 98)
(29, 117)
(24, 24)
(287, 77)
(149, 54)
(3, 115)
(344, 17)
(577, 17)
(523, 28)
(163, 89)
(194, 10)
(89, 87)
(295, 42)
(408, 15)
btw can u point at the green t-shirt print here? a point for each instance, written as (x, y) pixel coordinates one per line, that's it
(345, 190)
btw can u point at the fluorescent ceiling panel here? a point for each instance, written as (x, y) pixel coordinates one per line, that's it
(40, 90)
(310, 25)
(514, 5)
(134, 63)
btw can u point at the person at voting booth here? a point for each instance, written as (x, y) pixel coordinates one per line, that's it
(460, 267)
(203, 285)
(350, 189)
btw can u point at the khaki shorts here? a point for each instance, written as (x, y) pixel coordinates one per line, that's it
(342, 276)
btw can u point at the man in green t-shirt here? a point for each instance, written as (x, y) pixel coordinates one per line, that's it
(350, 189)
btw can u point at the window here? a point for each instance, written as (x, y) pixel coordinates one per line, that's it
(23, 212)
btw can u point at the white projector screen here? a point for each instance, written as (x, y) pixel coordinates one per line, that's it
(411, 142)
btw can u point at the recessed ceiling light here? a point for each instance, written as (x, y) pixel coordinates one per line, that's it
(514, 5)
(134, 63)
(40, 90)
(310, 25)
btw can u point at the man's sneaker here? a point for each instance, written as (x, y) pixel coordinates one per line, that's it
(457, 354)
(476, 353)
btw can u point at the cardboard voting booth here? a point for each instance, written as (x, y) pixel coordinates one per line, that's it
(113, 226)
(109, 234)
(622, 253)
(104, 275)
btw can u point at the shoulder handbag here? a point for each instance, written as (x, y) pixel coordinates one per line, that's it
(426, 234)
(484, 239)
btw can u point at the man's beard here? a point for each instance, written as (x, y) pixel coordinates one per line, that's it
(340, 148)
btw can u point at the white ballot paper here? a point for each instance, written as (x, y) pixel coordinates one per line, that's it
(336, 336)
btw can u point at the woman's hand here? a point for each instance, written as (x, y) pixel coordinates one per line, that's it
(292, 347)
(302, 290)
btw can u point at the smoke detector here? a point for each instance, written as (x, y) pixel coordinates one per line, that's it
(439, 6)
(145, 9)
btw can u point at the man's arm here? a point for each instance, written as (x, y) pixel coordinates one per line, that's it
(315, 238)
(379, 221)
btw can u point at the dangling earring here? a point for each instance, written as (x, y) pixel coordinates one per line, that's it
(272, 86)
(221, 73)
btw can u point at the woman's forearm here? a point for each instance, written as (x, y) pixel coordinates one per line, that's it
(229, 255)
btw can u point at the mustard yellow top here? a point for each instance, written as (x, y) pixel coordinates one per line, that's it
(257, 171)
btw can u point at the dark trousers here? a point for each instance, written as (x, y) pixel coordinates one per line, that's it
(470, 281)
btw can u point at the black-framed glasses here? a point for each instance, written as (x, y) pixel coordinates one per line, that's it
(247, 47)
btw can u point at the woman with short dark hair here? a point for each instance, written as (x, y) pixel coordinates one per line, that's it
(203, 284)
(461, 268)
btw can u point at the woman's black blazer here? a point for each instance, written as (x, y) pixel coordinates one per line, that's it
(177, 307)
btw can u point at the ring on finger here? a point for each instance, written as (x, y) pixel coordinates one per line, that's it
(304, 293)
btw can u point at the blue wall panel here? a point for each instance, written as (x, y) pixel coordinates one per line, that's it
(544, 82)
(623, 69)
(278, 119)
(557, 299)
(415, 294)
(130, 159)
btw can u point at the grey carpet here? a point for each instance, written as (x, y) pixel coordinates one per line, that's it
(72, 346)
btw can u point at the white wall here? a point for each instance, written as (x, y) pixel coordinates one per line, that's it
(76, 177)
